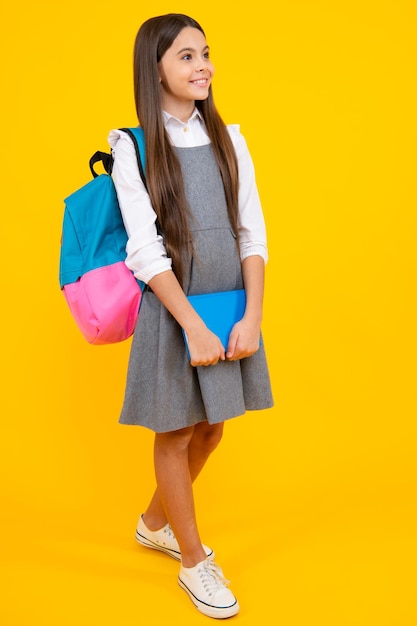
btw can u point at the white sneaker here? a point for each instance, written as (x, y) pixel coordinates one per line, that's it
(207, 589)
(162, 539)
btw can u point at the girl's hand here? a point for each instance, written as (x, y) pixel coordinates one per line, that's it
(205, 347)
(243, 340)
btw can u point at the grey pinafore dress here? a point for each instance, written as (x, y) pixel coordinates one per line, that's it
(163, 391)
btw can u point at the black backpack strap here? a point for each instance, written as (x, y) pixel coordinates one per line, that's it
(106, 159)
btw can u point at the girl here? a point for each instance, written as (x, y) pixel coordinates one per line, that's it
(197, 227)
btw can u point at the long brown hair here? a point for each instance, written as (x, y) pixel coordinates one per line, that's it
(163, 170)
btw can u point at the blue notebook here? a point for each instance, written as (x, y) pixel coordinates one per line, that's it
(220, 311)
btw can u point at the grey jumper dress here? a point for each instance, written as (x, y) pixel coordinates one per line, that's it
(163, 391)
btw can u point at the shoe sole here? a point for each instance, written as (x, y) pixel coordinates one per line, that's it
(155, 546)
(208, 609)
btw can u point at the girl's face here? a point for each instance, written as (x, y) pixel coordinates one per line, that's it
(185, 73)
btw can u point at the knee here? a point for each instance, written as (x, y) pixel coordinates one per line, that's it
(176, 441)
(208, 437)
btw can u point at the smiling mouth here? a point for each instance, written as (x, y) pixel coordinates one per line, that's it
(201, 82)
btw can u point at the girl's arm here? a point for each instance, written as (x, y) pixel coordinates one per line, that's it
(245, 336)
(146, 253)
(204, 346)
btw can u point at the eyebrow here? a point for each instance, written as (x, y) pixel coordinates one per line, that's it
(192, 50)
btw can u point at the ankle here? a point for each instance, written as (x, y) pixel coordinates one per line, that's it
(154, 523)
(190, 559)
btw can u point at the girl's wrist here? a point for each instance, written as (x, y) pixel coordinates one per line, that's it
(253, 316)
(193, 325)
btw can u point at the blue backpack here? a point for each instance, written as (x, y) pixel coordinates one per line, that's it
(102, 293)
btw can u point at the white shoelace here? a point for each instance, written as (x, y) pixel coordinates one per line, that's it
(212, 576)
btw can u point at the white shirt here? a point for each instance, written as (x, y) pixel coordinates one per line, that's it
(146, 253)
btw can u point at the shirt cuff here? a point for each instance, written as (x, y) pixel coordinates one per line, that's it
(252, 249)
(147, 265)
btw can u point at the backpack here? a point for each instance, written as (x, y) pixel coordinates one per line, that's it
(102, 293)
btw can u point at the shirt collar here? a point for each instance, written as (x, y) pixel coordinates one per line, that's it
(195, 116)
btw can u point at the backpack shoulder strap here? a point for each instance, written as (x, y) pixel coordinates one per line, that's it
(138, 137)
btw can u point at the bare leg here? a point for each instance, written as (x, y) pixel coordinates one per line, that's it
(204, 440)
(179, 458)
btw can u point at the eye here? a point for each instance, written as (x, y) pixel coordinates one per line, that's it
(186, 57)
(207, 55)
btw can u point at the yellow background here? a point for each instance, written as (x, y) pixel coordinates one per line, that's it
(311, 507)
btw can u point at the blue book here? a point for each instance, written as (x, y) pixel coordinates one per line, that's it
(220, 311)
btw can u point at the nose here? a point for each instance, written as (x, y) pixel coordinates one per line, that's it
(202, 64)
